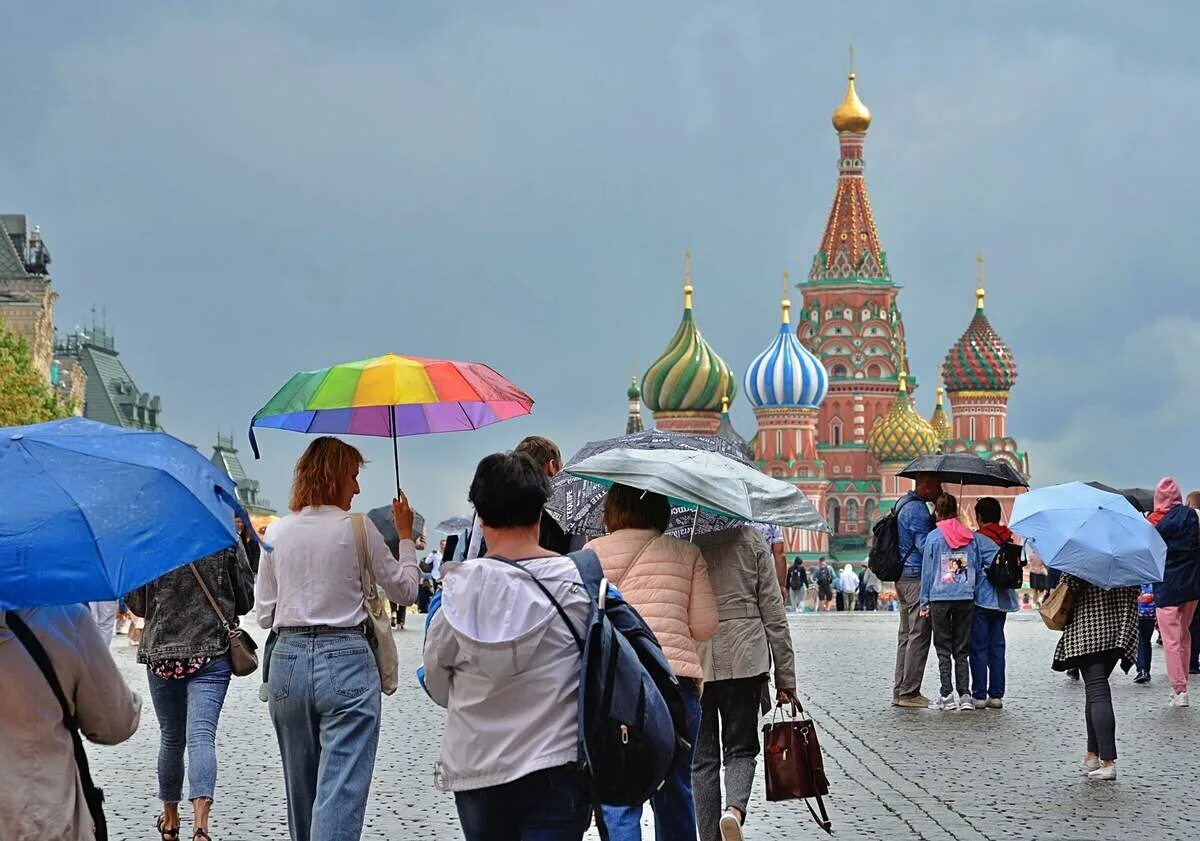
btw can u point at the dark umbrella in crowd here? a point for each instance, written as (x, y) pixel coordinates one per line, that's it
(966, 469)
(382, 518)
(1140, 498)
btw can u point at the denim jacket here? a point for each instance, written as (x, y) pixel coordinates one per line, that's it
(180, 623)
(914, 523)
(948, 573)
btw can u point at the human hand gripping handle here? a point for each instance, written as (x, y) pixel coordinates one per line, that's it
(787, 696)
(402, 516)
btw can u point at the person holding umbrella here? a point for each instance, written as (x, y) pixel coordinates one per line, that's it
(323, 682)
(1175, 597)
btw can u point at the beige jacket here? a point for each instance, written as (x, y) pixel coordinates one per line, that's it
(754, 630)
(667, 583)
(41, 798)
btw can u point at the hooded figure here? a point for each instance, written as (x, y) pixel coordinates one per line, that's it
(1175, 596)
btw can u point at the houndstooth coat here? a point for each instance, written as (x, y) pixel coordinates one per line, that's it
(1100, 621)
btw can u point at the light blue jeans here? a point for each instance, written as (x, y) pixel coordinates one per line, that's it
(188, 710)
(324, 702)
(673, 804)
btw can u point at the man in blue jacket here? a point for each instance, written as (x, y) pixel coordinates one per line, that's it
(912, 644)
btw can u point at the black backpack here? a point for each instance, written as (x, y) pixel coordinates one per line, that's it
(795, 579)
(1007, 571)
(883, 558)
(825, 576)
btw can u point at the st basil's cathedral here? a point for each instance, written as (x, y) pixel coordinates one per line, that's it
(832, 396)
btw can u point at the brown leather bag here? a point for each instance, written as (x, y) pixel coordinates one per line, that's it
(243, 657)
(793, 763)
(1056, 609)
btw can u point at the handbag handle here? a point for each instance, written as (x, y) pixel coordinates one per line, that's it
(364, 569)
(208, 594)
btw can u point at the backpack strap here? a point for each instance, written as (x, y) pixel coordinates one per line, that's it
(93, 796)
(907, 554)
(557, 606)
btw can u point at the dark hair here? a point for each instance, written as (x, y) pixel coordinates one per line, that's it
(541, 450)
(987, 510)
(946, 507)
(631, 508)
(509, 490)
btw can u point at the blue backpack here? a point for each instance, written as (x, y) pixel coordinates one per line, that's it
(632, 718)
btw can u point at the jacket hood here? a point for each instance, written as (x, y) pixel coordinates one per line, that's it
(497, 613)
(956, 534)
(1167, 495)
(998, 533)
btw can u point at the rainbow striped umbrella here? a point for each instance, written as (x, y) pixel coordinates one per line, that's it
(390, 397)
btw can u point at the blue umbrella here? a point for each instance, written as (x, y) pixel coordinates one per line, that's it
(89, 511)
(1091, 534)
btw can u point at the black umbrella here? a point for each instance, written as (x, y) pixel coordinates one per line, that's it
(1140, 498)
(574, 500)
(382, 518)
(966, 469)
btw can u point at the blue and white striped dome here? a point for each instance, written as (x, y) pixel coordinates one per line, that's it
(786, 374)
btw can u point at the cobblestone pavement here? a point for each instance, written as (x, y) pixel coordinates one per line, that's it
(1007, 774)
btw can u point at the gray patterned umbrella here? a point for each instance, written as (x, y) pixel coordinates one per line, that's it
(578, 504)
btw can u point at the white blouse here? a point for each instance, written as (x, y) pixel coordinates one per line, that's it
(311, 575)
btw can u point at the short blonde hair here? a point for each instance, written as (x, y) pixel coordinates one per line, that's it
(321, 471)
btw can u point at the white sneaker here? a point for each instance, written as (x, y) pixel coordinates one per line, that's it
(1180, 700)
(995, 703)
(1088, 765)
(1104, 772)
(943, 703)
(731, 828)
(980, 703)
(966, 702)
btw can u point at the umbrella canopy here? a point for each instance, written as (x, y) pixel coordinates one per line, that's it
(89, 512)
(706, 482)
(1140, 498)
(382, 518)
(966, 469)
(578, 505)
(1090, 533)
(455, 524)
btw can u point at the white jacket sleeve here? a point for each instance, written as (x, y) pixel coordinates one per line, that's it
(441, 650)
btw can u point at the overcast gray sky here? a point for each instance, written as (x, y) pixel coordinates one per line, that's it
(252, 189)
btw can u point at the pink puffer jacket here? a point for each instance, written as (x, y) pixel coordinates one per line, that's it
(666, 581)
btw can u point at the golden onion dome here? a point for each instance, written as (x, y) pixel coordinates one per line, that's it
(902, 434)
(940, 421)
(851, 115)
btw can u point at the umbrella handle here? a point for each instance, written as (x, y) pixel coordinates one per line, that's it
(695, 519)
(395, 451)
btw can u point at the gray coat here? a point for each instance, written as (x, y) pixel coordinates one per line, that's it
(180, 623)
(753, 631)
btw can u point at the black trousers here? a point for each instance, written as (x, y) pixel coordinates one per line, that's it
(1098, 709)
(952, 641)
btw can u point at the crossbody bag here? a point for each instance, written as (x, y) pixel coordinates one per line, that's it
(243, 656)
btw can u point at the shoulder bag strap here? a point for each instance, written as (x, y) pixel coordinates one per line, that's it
(365, 576)
(92, 795)
(208, 594)
(558, 607)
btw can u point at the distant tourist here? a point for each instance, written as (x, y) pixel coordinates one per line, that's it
(871, 588)
(773, 537)
(1039, 576)
(1175, 597)
(797, 582)
(848, 586)
(1101, 631)
(323, 682)
(41, 796)
(549, 458)
(249, 543)
(992, 606)
(667, 582)
(752, 636)
(912, 642)
(1146, 626)
(824, 578)
(951, 567)
(185, 649)
(504, 664)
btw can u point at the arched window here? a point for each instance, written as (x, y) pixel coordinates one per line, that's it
(852, 510)
(835, 432)
(838, 371)
(874, 372)
(833, 513)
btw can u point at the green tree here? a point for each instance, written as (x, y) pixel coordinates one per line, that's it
(25, 395)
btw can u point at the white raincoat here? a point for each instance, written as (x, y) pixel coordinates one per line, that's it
(500, 658)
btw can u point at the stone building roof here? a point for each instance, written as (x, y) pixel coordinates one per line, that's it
(111, 396)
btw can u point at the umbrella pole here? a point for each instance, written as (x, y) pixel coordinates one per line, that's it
(695, 518)
(395, 450)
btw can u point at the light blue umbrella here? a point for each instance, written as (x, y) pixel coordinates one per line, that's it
(1091, 534)
(89, 511)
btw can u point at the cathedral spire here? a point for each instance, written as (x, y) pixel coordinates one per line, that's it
(850, 248)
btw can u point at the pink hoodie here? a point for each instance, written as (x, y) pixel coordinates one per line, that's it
(956, 534)
(1166, 497)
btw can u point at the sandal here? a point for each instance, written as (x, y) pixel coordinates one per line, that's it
(201, 835)
(167, 834)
